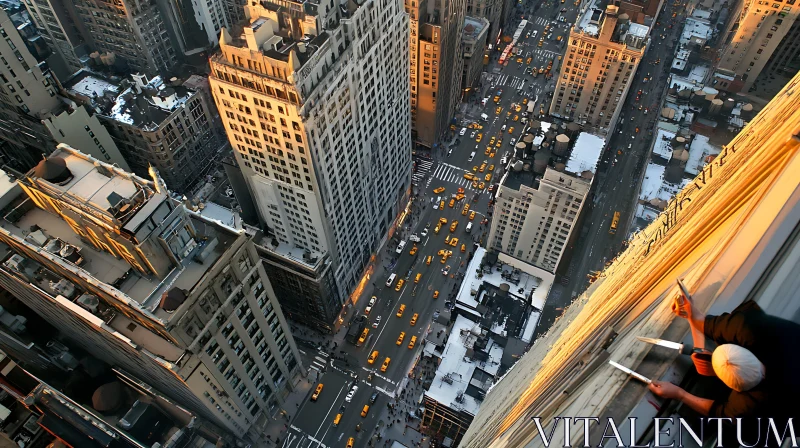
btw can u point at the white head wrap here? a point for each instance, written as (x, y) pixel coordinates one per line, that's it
(737, 367)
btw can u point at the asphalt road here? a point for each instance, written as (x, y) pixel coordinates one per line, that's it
(313, 423)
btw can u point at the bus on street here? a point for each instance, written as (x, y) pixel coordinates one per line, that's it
(614, 223)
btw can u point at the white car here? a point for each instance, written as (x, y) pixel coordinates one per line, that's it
(414, 238)
(463, 131)
(367, 310)
(377, 322)
(446, 270)
(513, 142)
(400, 247)
(373, 300)
(350, 394)
(424, 232)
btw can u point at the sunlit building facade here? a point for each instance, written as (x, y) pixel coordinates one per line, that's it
(730, 234)
(140, 282)
(758, 31)
(436, 30)
(315, 106)
(603, 52)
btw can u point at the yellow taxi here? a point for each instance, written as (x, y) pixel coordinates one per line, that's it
(463, 248)
(498, 110)
(413, 250)
(496, 99)
(488, 177)
(524, 101)
(337, 419)
(475, 168)
(316, 393)
(412, 342)
(453, 226)
(435, 294)
(418, 277)
(350, 442)
(400, 338)
(454, 242)
(438, 190)
(452, 202)
(491, 168)
(472, 215)
(468, 176)
(400, 311)
(437, 228)
(475, 183)
(511, 130)
(488, 150)
(518, 108)
(497, 145)
(481, 186)
(447, 239)
(478, 138)
(385, 364)
(372, 357)
(541, 41)
(491, 142)
(482, 167)
(492, 154)
(528, 61)
(428, 260)
(365, 410)
(465, 210)
(441, 205)
(460, 197)
(442, 220)
(363, 336)
(414, 319)
(516, 117)
(399, 285)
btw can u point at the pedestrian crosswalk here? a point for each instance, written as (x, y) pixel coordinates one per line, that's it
(319, 362)
(453, 174)
(423, 168)
(542, 21)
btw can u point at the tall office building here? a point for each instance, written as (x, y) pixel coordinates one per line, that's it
(140, 282)
(167, 125)
(27, 93)
(731, 235)
(473, 47)
(133, 30)
(315, 105)
(62, 30)
(603, 53)
(757, 32)
(540, 199)
(436, 66)
(490, 10)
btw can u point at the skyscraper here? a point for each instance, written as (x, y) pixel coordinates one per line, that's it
(538, 207)
(730, 234)
(27, 90)
(490, 10)
(62, 30)
(138, 281)
(315, 105)
(130, 29)
(436, 66)
(603, 53)
(757, 31)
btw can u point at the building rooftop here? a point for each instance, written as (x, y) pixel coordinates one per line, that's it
(146, 104)
(662, 144)
(527, 287)
(586, 153)
(695, 27)
(463, 376)
(88, 84)
(701, 151)
(474, 26)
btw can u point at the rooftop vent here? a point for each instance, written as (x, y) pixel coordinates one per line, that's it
(172, 299)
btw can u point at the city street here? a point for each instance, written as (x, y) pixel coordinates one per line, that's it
(313, 424)
(620, 171)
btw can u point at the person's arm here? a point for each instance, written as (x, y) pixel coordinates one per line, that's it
(737, 327)
(665, 389)
(695, 317)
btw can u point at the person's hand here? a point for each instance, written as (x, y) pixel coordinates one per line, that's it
(684, 310)
(665, 389)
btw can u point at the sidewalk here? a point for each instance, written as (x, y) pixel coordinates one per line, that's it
(278, 426)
